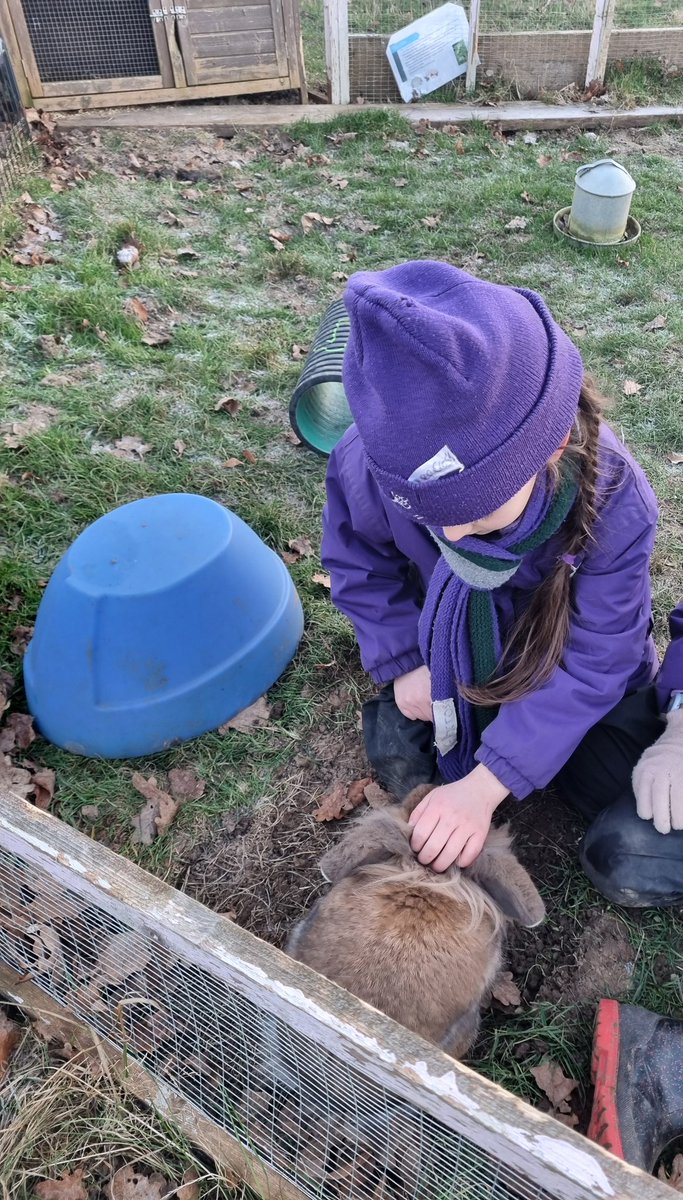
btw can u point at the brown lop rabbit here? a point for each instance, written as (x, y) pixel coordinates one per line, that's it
(421, 947)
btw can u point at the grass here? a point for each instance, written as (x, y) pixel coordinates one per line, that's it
(237, 319)
(58, 1119)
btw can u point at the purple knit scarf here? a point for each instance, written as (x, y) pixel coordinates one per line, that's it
(460, 637)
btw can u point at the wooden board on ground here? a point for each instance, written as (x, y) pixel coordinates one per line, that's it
(230, 118)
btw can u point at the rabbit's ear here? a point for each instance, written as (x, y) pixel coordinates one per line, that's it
(374, 839)
(500, 873)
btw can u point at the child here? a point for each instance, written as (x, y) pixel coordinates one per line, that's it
(490, 539)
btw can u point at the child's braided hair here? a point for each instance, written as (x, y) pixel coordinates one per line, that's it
(538, 638)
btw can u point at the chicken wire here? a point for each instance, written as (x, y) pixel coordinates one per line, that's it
(15, 138)
(536, 48)
(321, 1124)
(91, 39)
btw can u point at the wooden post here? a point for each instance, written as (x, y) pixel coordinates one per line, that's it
(337, 49)
(472, 55)
(599, 47)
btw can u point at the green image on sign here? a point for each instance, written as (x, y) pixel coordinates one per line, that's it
(460, 52)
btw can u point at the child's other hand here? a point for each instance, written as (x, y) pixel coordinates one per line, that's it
(451, 823)
(413, 694)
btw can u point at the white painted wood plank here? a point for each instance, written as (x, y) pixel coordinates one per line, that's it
(600, 39)
(336, 16)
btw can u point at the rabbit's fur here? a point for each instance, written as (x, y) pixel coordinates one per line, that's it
(424, 948)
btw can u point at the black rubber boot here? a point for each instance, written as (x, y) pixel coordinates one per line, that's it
(638, 1075)
(632, 864)
(400, 751)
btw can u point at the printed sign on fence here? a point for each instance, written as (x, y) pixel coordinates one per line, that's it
(430, 51)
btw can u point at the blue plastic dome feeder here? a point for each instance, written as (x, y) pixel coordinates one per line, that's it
(164, 619)
(319, 411)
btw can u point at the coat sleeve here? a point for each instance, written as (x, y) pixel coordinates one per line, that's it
(371, 580)
(532, 738)
(670, 678)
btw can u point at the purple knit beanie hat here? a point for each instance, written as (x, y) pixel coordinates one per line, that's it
(461, 390)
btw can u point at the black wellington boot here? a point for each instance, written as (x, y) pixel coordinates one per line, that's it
(637, 1070)
(401, 751)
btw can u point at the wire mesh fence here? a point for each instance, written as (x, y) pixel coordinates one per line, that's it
(317, 1121)
(91, 39)
(16, 154)
(531, 48)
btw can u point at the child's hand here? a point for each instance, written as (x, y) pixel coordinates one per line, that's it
(451, 823)
(413, 694)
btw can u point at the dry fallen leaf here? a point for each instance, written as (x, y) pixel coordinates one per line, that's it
(157, 815)
(517, 223)
(131, 448)
(658, 323)
(16, 779)
(675, 1177)
(544, 160)
(135, 308)
(311, 219)
(342, 799)
(301, 546)
(631, 388)
(39, 417)
(170, 218)
(69, 1187)
(44, 788)
(17, 732)
(21, 636)
(286, 556)
(185, 784)
(131, 1184)
(323, 580)
(10, 1035)
(569, 1119)
(291, 437)
(156, 335)
(13, 287)
(254, 717)
(376, 795)
(250, 457)
(505, 990)
(227, 404)
(674, 458)
(431, 222)
(333, 804)
(299, 352)
(553, 1082)
(189, 1189)
(233, 462)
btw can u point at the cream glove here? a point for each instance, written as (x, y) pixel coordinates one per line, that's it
(658, 778)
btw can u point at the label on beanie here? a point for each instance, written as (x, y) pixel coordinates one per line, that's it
(444, 462)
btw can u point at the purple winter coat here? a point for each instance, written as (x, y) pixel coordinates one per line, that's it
(380, 563)
(670, 678)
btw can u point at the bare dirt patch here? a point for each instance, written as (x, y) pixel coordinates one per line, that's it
(261, 867)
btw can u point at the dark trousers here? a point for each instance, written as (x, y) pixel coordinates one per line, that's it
(624, 857)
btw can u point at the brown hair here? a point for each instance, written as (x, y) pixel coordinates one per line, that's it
(538, 638)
